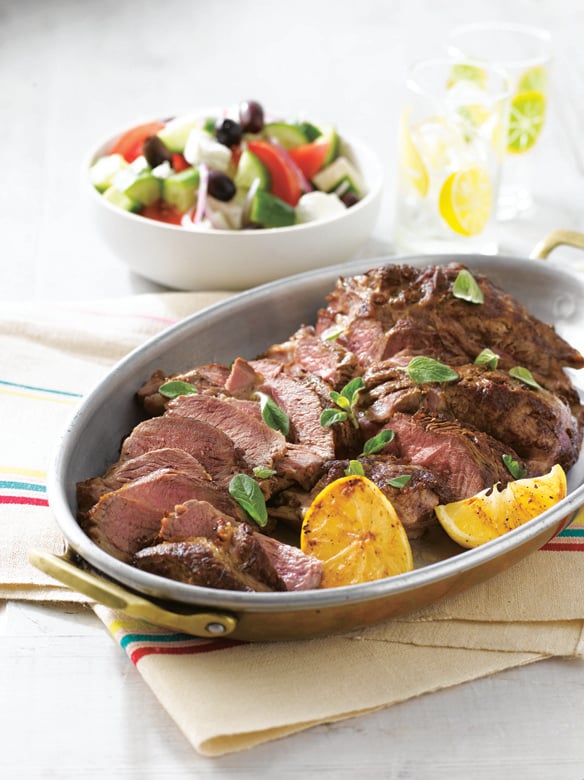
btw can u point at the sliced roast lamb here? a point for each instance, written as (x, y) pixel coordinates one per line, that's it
(293, 569)
(463, 459)
(209, 379)
(535, 423)
(218, 553)
(210, 446)
(398, 311)
(258, 443)
(130, 517)
(307, 353)
(90, 490)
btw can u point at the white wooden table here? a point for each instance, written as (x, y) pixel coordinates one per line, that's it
(71, 704)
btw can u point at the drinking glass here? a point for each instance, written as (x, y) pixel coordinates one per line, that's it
(451, 144)
(524, 53)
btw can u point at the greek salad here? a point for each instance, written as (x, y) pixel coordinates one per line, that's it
(241, 170)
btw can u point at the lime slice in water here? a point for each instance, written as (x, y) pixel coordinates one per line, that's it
(526, 119)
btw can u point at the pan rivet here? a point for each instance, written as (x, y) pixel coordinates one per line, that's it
(215, 628)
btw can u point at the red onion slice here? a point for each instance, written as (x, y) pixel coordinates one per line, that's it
(202, 193)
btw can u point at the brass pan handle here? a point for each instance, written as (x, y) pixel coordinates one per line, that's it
(557, 238)
(110, 594)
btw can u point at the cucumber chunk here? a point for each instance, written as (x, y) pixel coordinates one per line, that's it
(249, 169)
(143, 187)
(310, 131)
(121, 201)
(175, 133)
(270, 212)
(103, 171)
(288, 136)
(340, 176)
(179, 190)
(330, 134)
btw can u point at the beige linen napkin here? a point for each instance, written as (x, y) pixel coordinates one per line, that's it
(229, 695)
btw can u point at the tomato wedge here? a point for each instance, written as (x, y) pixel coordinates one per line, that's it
(285, 184)
(310, 157)
(129, 145)
(179, 163)
(162, 212)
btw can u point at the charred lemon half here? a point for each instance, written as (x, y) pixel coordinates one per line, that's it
(353, 528)
(494, 511)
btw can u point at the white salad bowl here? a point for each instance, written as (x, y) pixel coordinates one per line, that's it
(211, 259)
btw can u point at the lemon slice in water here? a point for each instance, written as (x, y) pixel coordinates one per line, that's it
(533, 80)
(466, 200)
(411, 162)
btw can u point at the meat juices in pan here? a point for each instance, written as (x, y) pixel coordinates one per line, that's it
(164, 506)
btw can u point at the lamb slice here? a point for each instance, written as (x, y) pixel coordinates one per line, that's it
(307, 352)
(242, 380)
(126, 519)
(90, 490)
(295, 569)
(278, 565)
(258, 443)
(414, 502)
(416, 301)
(248, 406)
(299, 464)
(535, 423)
(192, 519)
(267, 368)
(214, 450)
(303, 407)
(204, 563)
(463, 460)
(208, 378)
(123, 526)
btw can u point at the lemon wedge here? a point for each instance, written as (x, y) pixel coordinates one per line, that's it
(493, 512)
(353, 528)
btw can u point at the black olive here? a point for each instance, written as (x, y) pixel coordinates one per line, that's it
(220, 186)
(251, 116)
(155, 151)
(228, 132)
(349, 198)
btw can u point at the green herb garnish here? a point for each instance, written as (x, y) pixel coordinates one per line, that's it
(424, 369)
(399, 482)
(332, 333)
(345, 402)
(524, 375)
(466, 288)
(487, 358)
(355, 468)
(378, 442)
(513, 467)
(248, 495)
(263, 472)
(331, 416)
(272, 415)
(175, 388)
